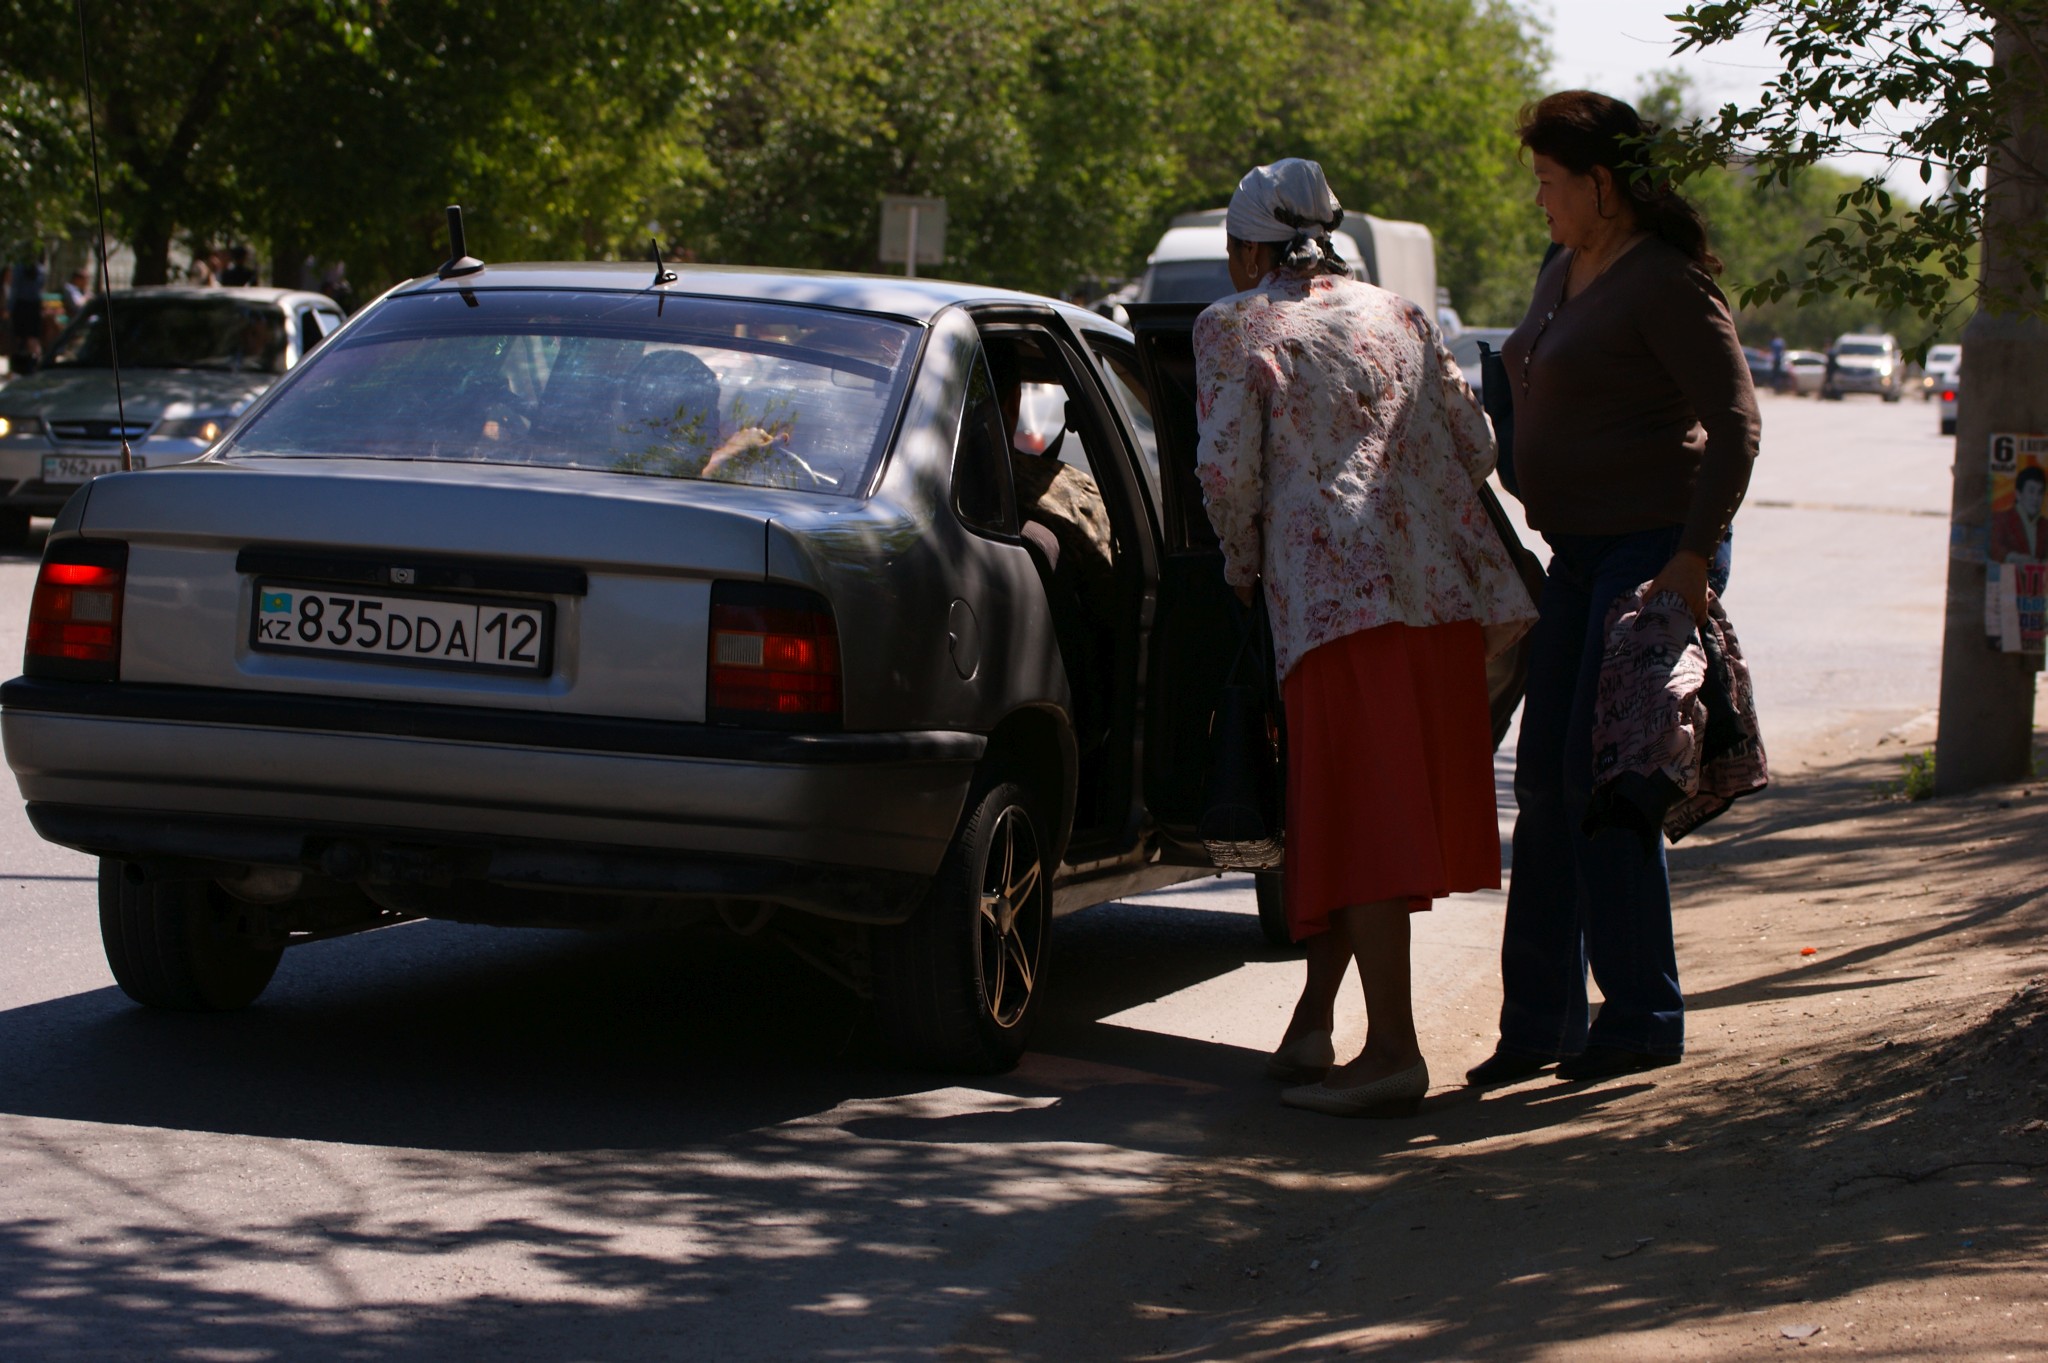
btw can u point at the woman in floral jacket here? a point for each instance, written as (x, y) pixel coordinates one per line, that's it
(1341, 459)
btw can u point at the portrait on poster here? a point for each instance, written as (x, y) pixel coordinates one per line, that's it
(2016, 560)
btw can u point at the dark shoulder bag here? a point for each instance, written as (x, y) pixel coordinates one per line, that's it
(1498, 398)
(1243, 811)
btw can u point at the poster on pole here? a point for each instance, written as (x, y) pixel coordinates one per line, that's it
(913, 231)
(2016, 559)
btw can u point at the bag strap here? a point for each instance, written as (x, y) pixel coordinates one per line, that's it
(1254, 645)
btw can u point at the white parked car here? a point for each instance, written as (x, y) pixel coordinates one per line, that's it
(1865, 363)
(1944, 366)
(192, 359)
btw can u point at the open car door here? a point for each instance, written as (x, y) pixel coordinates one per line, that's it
(1197, 625)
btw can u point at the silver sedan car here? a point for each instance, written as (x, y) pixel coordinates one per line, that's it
(192, 360)
(556, 595)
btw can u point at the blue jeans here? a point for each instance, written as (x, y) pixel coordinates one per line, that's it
(1574, 900)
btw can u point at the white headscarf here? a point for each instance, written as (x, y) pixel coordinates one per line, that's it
(1288, 203)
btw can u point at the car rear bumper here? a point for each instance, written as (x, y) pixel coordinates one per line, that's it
(1860, 381)
(272, 762)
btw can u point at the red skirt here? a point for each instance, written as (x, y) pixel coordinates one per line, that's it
(1389, 772)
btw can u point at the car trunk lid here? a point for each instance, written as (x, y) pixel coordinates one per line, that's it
(610, 573)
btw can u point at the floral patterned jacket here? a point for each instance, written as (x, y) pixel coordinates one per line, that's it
(1341, 458)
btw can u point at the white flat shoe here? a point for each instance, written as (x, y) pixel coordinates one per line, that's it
(1305, 1058)
(1397, 1095)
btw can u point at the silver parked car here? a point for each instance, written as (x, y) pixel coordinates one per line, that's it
(1465, 349)
(191, 360)
(553, 595)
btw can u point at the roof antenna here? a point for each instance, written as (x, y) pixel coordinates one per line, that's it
(99, 204)
(662, 275)
(459, 260)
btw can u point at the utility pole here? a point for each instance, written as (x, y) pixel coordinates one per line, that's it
(1987, 697)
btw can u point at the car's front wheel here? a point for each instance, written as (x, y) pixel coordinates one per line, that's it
(958, 986)
(177, 944)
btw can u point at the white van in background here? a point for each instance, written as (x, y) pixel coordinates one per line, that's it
(1190, 263)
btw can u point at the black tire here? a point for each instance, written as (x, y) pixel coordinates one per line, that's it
(13, 529)
(1830, 395)
(1271, 887)
(1893, 396)
(175, 944)
(957, 988)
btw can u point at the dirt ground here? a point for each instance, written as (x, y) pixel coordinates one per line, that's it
(1852, 1159)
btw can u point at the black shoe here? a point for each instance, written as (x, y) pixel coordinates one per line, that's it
(1505, 1067)
(1605, 1062)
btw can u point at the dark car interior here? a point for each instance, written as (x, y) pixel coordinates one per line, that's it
(1078, 514)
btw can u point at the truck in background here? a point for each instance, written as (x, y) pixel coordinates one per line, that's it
(1189, 265)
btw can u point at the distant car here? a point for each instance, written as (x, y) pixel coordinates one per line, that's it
(1944, 366)
(191, 360)
(1865, 363)
(1950, 393)
(1759, 366)
(1805, 371)
(563, 595)
(1465, 349)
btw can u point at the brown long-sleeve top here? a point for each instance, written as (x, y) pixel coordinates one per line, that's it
(1633, 406)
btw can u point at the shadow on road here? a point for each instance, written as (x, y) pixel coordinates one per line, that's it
(698, 1149)
(439, 1036)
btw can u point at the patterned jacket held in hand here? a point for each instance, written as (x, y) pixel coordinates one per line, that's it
(1341, 458)
(1675, 733)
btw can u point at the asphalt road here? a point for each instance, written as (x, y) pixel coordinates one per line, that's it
(446, 1142)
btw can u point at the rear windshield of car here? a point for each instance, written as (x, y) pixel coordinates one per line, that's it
(665, 387)
(1859, 348)
(226, 334)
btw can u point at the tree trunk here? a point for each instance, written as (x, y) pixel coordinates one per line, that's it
(1987, 697)
(152, 247)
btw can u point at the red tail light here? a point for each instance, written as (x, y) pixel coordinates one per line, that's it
(774, 657)
(1948, 395)
(74, 619)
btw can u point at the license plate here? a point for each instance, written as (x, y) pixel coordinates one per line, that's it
(78, 468)
(467, 633)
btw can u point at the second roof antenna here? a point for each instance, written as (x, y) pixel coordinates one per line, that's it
(459, 261)
(99, 204)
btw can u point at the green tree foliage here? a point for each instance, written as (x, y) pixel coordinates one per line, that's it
(341, 126)
(1761, 227)
(42, 164)
(1064, 134)
(1908, 80)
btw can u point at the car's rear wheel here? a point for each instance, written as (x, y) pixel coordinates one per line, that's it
(178, 945)
(958, 986)
(1271, 889)
(13, 528)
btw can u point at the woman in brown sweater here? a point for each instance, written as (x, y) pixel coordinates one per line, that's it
(1635, 429)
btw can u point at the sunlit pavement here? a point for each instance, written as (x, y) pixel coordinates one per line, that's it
(445, 1142)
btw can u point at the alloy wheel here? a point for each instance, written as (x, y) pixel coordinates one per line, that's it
(1012, 922)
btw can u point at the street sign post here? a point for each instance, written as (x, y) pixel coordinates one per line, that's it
(913, 231)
